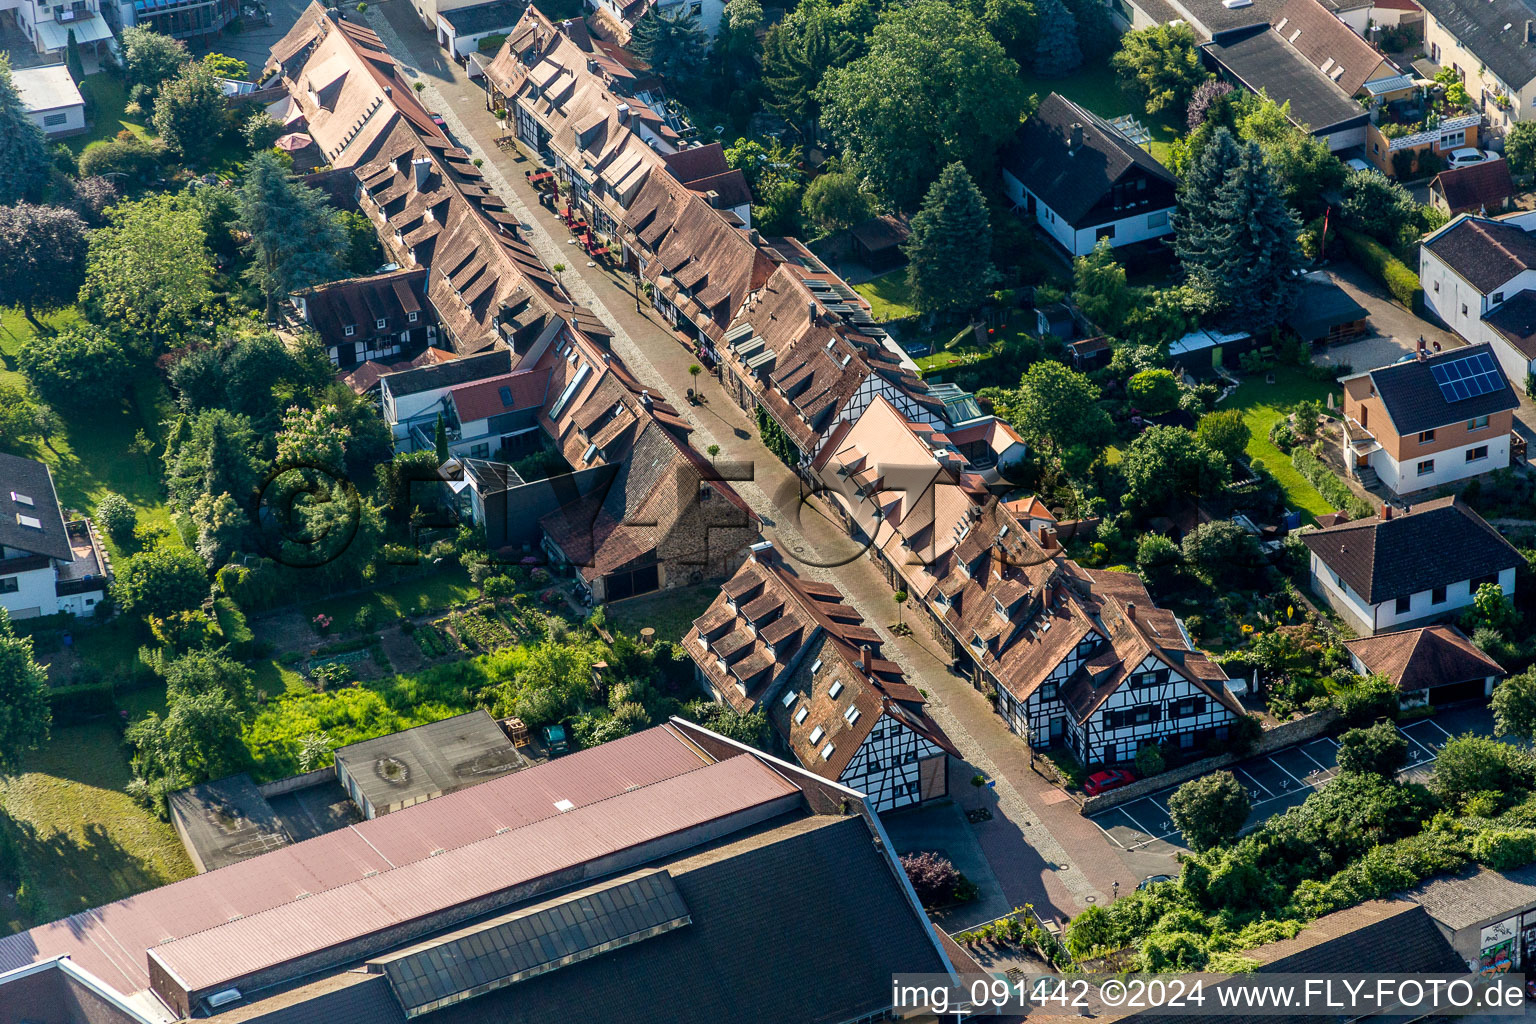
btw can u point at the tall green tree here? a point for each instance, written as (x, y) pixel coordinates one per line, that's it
(1162, 64)
(1252, 272)
(149, 275)
(1302, 163)
(24, 711)
(835, 200)
(935, 88)
(150, 57)
(191, 112)
(1099, 287)
(161, 582)
(1514, 706)
(1057, 50)
(1194, 230)
(671, 42)
(24, 160)
(1054, 409)
(72, 59)
(42, 253)
(1169, 464)
(296, 237)
(80, 367)
(1210, 811)
(799, 50)
(950, 249)
(1520, 147)
(1013, 23)
(737, 52)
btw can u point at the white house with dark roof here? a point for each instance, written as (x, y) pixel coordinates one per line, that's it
(1081, 180)
(51, 99)
(413, 399)
(1473, 268)
(1400, 568)
(47, 566)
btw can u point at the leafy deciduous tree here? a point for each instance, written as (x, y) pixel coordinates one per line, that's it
(836, 200)
(24, 711)
(79, 367)
(1162, 63)
(191, 113)
(1170, 463)
(42, 251)
(1514, 706)
(1225, 432)
(150, 57)
(1055, 408)
(1210, 810)
(161, 581)
(1379, 749)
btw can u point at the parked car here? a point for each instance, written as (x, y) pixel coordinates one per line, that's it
(437, 119)
(1151, 880)
(555, 742)
(1103, 782)
(1356, 164)
(1469, 156)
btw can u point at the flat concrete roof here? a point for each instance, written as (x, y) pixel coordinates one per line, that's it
(429, 760)
(227, 821)
(46, 88)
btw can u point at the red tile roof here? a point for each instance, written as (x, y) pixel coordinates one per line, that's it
(525, 389)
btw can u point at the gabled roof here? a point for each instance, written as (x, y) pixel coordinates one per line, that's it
(1415, 401)
(1415, 659)
(1264, 61)
(1330, 45)
(1494, 32)
(1437, 543)
(1041, 157)
(1515, 320)
(361, 302)
(1476, 188)
(1486, 252)
(761, 620)
(522, 390)
(27, 496)
(451, 374)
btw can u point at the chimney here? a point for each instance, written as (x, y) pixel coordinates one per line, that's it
(1048, 538)
(420, 168)
(713, 199)
(810, 310)
(623, 109)
(1077, 138)
(1386, 512)
(1423, 349)
(389, 91)
(1130, 610)
(866, 659)
(762, 552)
(645, 399)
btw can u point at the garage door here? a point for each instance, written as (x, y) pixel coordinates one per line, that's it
(627, 584)
(1456, 693)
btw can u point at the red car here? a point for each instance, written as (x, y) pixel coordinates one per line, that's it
(1103, 782)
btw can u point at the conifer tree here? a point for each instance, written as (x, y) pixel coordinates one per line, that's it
(440, 440)
(1057, 52)
(296, 236)
(23, 150)
(1193, 228)
(72, 59)
(951, 245)
(1253, 273)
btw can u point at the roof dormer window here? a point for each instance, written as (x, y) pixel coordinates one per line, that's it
(837, 688)
(349, 330)
(851, 715)
(817, 733)
(380, 324)
(826, 751)
(800, 715)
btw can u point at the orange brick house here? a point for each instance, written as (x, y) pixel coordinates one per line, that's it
(1432, 420)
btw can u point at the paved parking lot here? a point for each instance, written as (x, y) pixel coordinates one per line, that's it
(1274, 782)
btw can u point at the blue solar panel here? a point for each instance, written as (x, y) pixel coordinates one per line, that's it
(1474, 375)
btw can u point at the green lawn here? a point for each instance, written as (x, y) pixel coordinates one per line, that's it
(91, 457)
(1263, 405)
(105, 97)
(670, 612)
(1098, 89)
(273, 679)
(81, 839)
(409, 597)
(888, 296)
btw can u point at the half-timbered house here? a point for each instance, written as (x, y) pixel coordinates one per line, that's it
(1076, 657)
(775, 641)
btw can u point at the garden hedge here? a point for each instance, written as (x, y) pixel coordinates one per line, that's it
(1377, 260)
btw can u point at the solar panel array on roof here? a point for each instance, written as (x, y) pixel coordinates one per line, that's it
(1461, 379)
(535, 941)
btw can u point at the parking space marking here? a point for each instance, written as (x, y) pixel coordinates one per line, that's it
(1239, 770)
(1287, 771)
(1107, 833)
(1415, 759)
(1314, 760)
(1144, 830)
(1438, 726)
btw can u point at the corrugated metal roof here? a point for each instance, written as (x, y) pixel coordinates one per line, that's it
(110, 940)
(427, 888)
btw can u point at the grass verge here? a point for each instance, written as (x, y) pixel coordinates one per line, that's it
(1263, 405)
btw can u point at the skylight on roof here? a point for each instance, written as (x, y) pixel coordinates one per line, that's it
(826, 751)
(790, 697)
(564, 805)
(815, 666)
(817, 733)
(852, 715)
(31, 522)
(837, 688)
(22, 499)
(800, 715)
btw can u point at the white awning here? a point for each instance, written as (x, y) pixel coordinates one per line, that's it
(55, 34)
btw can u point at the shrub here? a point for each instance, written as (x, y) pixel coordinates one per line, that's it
(1210, 810)
(499, 586)
(364, 620)
(1150, 761)
(1505, 849)
(1380, 750)
(933, 877)
(117, 517)
(1378, 261)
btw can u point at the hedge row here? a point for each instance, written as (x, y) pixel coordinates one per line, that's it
(1334, 491)
(72, 705)
(1377, 260)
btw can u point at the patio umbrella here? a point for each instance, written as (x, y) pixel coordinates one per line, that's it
(294, 141)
